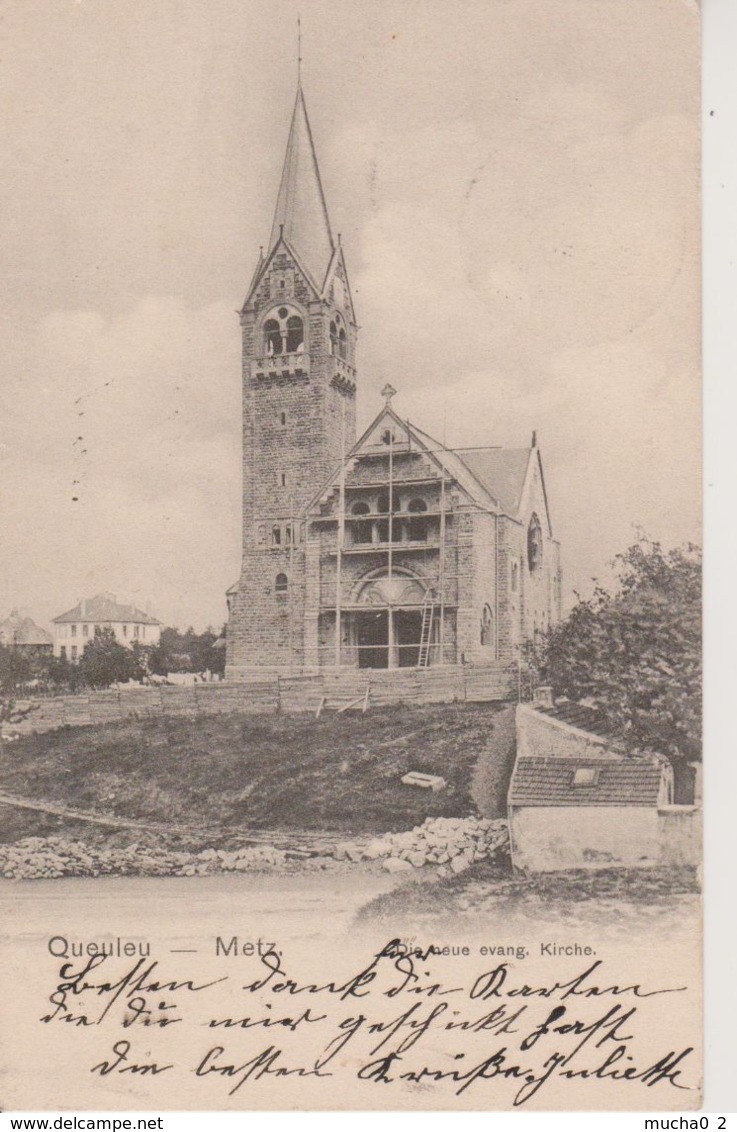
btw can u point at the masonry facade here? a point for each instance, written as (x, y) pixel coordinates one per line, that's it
(385, 551)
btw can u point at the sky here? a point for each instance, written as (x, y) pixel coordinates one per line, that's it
(516, 185)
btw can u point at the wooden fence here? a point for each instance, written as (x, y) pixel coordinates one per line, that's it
(280, 693)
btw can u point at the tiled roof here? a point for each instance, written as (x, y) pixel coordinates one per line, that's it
(502, 471)
(104, 608)
(619, 782)
(17, 630)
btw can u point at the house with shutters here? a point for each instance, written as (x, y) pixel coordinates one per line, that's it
(385, 550)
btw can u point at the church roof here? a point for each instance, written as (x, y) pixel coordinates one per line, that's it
(502, 471)
(301, 215)
(455, 465)
(103, 608)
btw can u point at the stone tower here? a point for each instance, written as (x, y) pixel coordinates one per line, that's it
(299, 391)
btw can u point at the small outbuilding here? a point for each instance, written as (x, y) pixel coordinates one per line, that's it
(576, 802)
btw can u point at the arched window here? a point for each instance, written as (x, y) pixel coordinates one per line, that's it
(514, 576)
(295, 335)
(342, 343)
(272, 337)
(417, 528)
(487, 627)
(281, 585)
(284, 332)
(534, 544)
(333, 338)
(362, 530)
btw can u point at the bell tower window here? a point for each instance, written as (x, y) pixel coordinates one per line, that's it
(272, 337)
(338, 338)
(284, 332)
(295, 334)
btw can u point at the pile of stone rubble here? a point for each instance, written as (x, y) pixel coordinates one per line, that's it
(47, 857)
(451, 845)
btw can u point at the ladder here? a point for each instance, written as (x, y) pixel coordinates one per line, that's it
(428, 616)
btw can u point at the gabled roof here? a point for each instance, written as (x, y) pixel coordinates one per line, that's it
(17, 630)
(103, 608)
(503, 471)
(264, 264)
(339, 258)
(420, 441)
(494, 478)
(301, 214)
(454, 465)
(618, 781)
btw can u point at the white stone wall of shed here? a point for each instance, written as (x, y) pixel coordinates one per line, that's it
(550, 838)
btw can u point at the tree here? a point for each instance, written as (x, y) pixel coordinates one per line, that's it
(636, 651)
(16, 668)
(186, 652)
(105, 661)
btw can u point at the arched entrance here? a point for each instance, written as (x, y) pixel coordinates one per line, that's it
(387, 631)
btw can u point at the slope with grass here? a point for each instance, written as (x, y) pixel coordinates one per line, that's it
(260, 772)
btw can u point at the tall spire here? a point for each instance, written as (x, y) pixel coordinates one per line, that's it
(299, 51)
(301, 213)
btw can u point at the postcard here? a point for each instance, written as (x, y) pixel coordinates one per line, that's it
(350, 625)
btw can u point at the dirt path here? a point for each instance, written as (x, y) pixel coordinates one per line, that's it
(187, 910)
(279, 838)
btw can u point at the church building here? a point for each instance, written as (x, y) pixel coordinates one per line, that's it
(386, 551)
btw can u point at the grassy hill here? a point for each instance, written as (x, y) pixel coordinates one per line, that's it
(262, 772)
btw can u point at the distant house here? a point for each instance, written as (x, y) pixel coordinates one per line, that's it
(576, 801)
(24, 634)
(74, 629)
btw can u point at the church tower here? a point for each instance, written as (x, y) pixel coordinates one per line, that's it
(299, 395)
